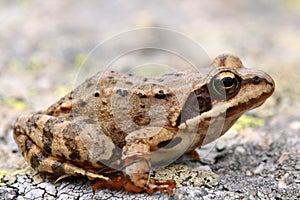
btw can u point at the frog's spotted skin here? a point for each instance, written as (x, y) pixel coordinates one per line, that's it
(115, 127)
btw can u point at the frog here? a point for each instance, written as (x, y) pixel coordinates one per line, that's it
(116, 128)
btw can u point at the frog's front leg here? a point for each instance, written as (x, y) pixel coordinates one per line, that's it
(37, 137)
(136, 156)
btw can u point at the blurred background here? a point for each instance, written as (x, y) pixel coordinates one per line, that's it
(43, 43)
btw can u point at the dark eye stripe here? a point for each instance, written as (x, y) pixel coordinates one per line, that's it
(256, 80)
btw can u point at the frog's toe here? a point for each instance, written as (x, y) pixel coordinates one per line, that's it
(136, 183)
(142, 182)
(156, 185)
(193, 155)
(116, 182)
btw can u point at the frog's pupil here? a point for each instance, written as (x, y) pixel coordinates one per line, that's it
(228, 81)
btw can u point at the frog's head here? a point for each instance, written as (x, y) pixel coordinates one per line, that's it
(240, 88)
(229, 90)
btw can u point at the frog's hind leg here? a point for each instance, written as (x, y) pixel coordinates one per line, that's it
(45, 163)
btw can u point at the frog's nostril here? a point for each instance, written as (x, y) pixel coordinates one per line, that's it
(256, 80)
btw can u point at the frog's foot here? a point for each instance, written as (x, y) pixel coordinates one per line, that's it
(50, 165)
(137, 177)
(144, 183)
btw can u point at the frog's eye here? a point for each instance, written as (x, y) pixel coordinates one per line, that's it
(226, 84)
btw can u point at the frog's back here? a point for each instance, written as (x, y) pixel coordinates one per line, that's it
(121, 103)
(125, 103)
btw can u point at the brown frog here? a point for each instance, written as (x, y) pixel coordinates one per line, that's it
(115, 127)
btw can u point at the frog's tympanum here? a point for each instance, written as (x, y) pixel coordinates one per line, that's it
(115, 128)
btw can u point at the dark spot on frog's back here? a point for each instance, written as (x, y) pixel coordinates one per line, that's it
(140, 95)
(122, 93)
(112, 81)
(82, 104)
(128, 83)
(162, 95)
